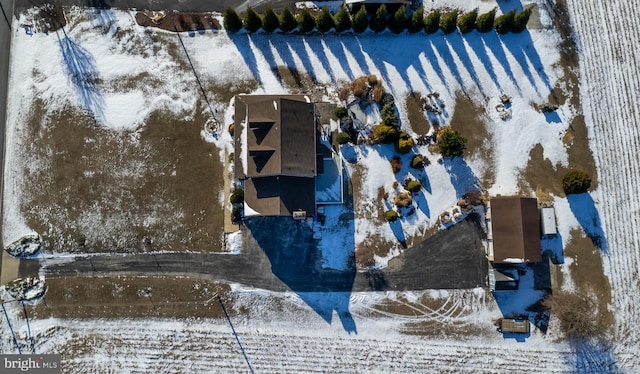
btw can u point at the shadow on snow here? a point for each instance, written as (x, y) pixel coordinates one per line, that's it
(297, 261)
(585, 211)
(462, 177)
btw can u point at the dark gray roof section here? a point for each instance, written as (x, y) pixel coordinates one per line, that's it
(280, 135)
(516, 229)
(280, 195)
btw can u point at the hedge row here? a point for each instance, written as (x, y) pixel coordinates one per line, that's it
(397, 22)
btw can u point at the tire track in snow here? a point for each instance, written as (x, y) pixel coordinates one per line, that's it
(608, 36)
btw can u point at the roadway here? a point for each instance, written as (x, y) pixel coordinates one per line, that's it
(183, 5)
(6, 7)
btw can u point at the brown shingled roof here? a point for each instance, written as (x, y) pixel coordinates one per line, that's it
(280, 150)
(516, 229)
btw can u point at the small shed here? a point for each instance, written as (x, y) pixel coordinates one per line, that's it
(548, 220)
(514, 325)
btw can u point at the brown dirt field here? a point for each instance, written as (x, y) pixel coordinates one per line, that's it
(90, 189)
(178, 21)
(129, 298)
(587, 272)
(419, 123)
(468, 120)
(299, 82)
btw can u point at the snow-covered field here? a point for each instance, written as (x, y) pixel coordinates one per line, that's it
(296, 338)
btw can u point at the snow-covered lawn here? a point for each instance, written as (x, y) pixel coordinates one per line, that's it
(481, 67)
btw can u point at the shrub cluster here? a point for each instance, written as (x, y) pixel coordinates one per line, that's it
(380, 21)
(451, 143)
(390, 215)
(343, 138)
(576, 182)
(413, 186)
(237, 196)
(404, 143)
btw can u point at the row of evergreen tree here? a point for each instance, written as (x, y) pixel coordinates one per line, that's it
(397, 22)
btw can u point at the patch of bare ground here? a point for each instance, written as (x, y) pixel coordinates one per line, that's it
(178, 21)
(125, 297)
(468, 120)
(222, 92)
(92, 189)
(419, 122)
(299, 82)
(586, 268)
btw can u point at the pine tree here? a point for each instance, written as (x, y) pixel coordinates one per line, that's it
(324, 20)
(520, 21)
(342, 20)
(379, 21)
(287, 20)
(484, 22)
(448, 22)
(306, 22)
(252, 21)
(467, 21)
(231, 22)
(269, 19)
(416, 22)
(398, 22)
(504, 23)
(432, 22)
(360, 21)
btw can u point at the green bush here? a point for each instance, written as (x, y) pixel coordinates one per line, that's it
(451, 143)
(467, 21)
(432, 22)
(343, 138)
(484, 22)
(416, 22)
(520, 21)
(379, 20)
(252, 21)
(413, 186)
(448, 22)
(340, 112)
(417, 162)
(324, 20)
(269, 19)
(576, 181)
(398, 22)
(385, 134)
(287, 20)
(306, 22)
(360, 21)
(388, 114)
(237, 196)
(404, 143)
(231, 21)
(342, 20)
(391, 215)
(504, 23)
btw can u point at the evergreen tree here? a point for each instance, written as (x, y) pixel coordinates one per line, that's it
(448, 22)
(231, 22)
(484, 22)
(342, 20)
(416, 22)
(432, 22)
(287, 20)
(306, 22)
(324, 20)
(360, 21)
(504, 23)
(269, 19)
(398, 22)
(520, 21)
(379, 21)
(252, 21)
(467, 21)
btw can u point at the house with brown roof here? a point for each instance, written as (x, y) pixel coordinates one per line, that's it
(275, 154)
(513, 230)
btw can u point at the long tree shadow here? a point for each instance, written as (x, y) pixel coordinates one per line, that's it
(491, 42)
(523, 50)
(297, 261)
(243, 45)
(82, 71)
(585, 211)
(100, 14)
(462, 177)
(457, 46)
(593, 356)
